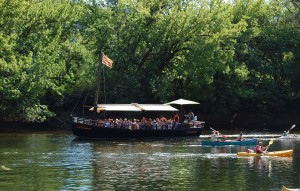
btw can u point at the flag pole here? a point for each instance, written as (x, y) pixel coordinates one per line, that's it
(98, 83)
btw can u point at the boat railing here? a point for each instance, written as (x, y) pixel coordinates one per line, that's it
(196, 124)
(85, 121)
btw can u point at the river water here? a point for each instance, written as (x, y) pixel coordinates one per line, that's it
(59, 161)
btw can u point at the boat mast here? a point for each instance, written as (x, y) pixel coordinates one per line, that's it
(100, 68)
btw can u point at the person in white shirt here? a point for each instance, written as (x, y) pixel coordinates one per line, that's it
(213, 136)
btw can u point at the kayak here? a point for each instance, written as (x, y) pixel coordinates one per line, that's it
(230, 142)
(289, 137)
(284, 153)
(289, 189)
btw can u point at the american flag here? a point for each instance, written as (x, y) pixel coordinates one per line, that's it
(107, 61)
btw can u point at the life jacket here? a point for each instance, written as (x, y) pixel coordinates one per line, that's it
(258, 149)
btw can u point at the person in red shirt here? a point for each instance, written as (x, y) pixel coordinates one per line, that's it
(175, 120)
(163, 122)
(260, 149)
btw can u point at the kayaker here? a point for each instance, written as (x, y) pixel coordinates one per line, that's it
(240, 137)
(213, 136)
(260, 148)
(285, 133)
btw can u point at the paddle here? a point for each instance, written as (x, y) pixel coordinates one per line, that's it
(293, 126)
(224, 136)
(270, 143)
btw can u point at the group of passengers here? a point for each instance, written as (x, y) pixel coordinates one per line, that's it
(145, 123)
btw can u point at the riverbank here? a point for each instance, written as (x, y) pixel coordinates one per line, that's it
(31, 126)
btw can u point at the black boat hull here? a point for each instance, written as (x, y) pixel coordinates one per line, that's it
(93, 131)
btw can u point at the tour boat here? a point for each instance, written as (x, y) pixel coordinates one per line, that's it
(87, 127)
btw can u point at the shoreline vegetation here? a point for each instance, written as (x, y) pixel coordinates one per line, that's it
(236, 58)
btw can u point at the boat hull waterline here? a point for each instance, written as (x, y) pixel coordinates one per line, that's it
(231, 142)
(284, 153)
(94, 131)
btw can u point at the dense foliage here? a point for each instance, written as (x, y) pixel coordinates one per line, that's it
(232, 56)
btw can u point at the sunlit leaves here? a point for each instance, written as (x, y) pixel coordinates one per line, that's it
(35, 55)
(220, 53)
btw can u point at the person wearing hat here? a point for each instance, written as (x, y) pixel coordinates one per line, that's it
(260, 149)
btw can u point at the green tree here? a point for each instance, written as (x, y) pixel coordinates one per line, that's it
(156, 46)
(37, 51)
(268, 48)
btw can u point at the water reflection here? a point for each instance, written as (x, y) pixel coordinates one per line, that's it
(60, 162)
(156, 165)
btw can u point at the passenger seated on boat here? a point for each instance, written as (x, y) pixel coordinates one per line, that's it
(134, 124)
(138, 123)
(111, 122)
(99, 122)
(153, 123)
(175, 120)
(156, 123)
(163, 122)
(148, 124)
(190, 116)
(169, 124)
(117, 123)
(127, 123)
(106, 123)
(194, 121)
(143, 123)
(121, 123)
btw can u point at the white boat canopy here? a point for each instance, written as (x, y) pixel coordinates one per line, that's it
(133, 107)
(156, 107)
(182, 102)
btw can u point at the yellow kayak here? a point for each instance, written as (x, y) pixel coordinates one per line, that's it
(288, 189)
(284, 153)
